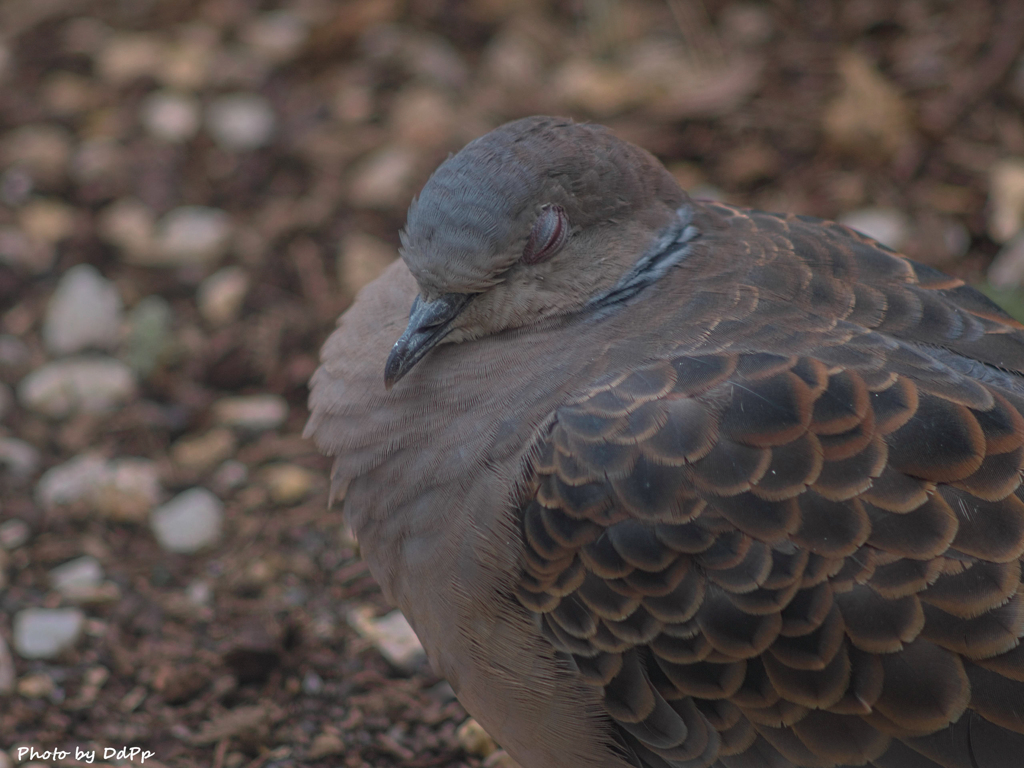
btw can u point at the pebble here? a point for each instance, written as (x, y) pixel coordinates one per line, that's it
(474, 739)
(422, 117)
(13, 351)
(149, 334)
(43, 148)
(84, 311)
(276, 36)
(13, 533)
(123, 489)
(288, 483)
(499, 758)
(36, 687)
(126, 57)
(361, 259)
(129, 225)
(18, 459)
(201, 453)
(870, 115)
(78, 578)
(188, 235)
(324, 745)
(129, 490)
(47, 221)
(1006, 193)
(220, 296)
(229, 476)
(255, 413)
(1007, 269)
(16, 185)
(186, 64)
(382, 180)
(72, 481)
(7, 673)
(171, 117)
(888, 226)
(241, 121)
(391, 635)
(189, 522)
(43, 633)
(91, 384)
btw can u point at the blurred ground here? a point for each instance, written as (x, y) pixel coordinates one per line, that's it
(233, 172)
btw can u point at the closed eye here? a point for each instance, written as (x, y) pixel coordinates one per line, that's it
(549, 233)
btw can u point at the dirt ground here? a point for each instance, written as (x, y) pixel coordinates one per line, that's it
(242, 654)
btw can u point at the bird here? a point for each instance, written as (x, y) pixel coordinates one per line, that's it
(663, 482)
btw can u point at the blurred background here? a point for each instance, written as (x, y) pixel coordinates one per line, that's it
(191, 191)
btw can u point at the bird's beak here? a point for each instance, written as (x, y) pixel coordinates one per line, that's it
(429, 322)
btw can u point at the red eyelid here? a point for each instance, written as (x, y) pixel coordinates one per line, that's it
(549, 233)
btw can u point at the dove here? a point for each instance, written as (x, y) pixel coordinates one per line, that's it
(663, 482)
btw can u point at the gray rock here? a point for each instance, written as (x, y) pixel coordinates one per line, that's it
(189, 522)
(13, 351)
(190, 234)
(241, 121)
(255, 413)
(886, 225)
(77, 578)
(89, 384)
(169, 116)
(84, 311)
(73, 481)
(43, 633)
(13, 533)
(18, 459)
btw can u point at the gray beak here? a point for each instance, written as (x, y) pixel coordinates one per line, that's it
(428, 324)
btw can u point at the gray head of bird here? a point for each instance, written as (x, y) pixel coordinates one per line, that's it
(529, 221)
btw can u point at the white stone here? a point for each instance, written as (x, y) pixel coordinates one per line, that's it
(91, 384)
(43, 633)
(1007, 269)
(252, 412)
(241, 121)
(171, 117)
(886, 225)
(119, 489)
(84, 311)
(1006, 192)
(190, 234)
(220, 296)
(189, 522)
(77, 578)
(73, 481)
(391, 635)
(81, 384)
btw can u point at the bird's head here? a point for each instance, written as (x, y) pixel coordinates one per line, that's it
(532, 220)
